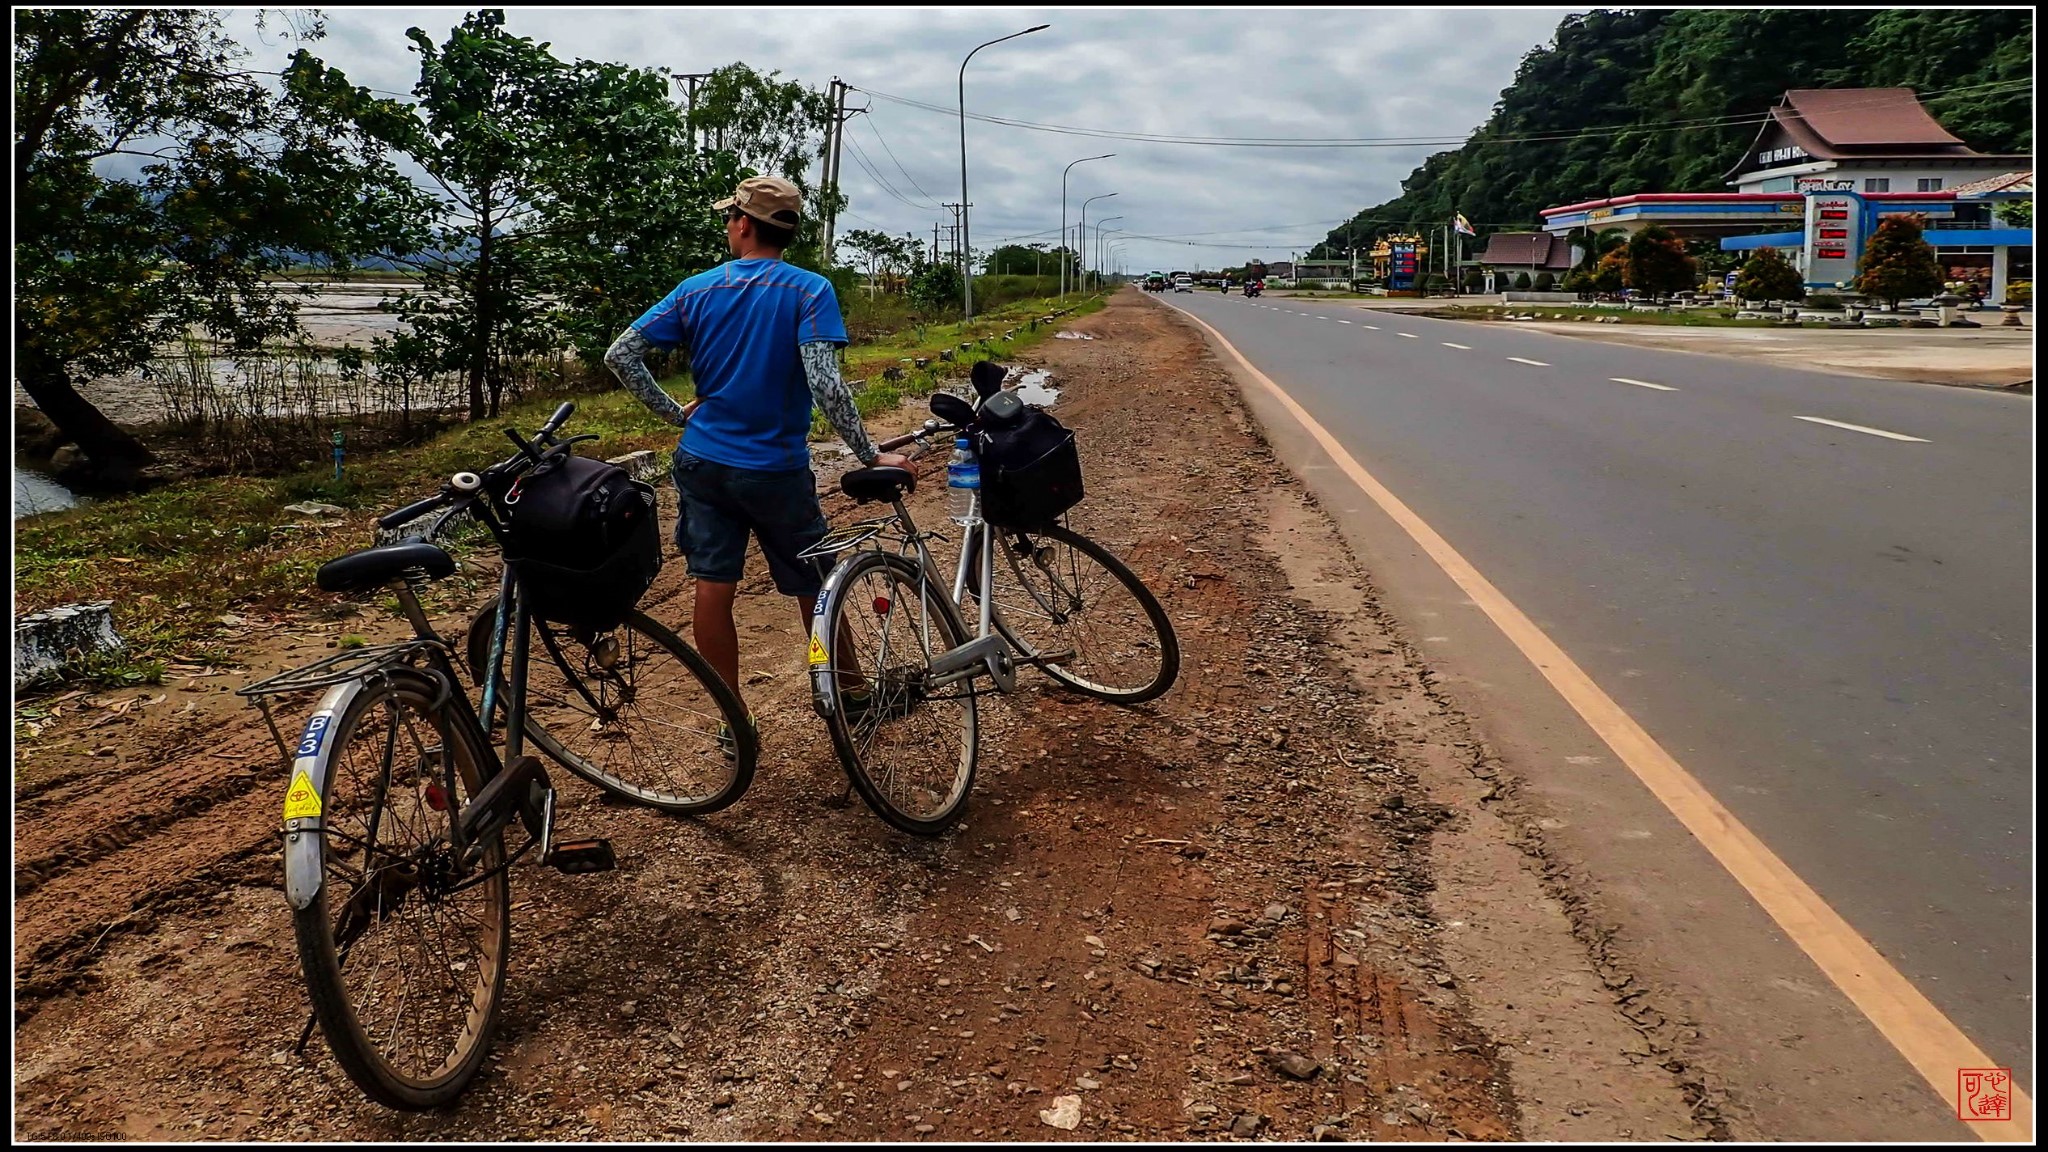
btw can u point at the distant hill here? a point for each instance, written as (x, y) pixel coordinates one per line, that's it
(1648, 71)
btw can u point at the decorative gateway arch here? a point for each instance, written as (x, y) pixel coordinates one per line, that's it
(1397, 261)
(1824, 168)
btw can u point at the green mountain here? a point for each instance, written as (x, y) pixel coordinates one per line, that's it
(1634, 94)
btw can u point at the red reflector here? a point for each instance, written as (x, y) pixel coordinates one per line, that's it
(881, 605)
(437, 798)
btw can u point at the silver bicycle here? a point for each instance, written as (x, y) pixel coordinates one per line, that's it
(895, 666)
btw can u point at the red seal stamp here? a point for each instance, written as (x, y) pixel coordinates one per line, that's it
(1984, 1093)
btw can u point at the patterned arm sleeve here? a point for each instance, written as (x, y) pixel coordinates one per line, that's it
(830, 393)
(627, 360)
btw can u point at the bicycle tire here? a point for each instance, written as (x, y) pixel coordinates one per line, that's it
(893, 696)
(728, 778)
(1039, 589)
(369, 1050)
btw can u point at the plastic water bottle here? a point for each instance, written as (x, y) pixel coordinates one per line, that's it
(963, 480)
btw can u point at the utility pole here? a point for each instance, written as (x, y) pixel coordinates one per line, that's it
(953, 237)
(832, 145)
(689, 81)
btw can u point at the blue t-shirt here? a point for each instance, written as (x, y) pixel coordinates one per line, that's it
(742, 322)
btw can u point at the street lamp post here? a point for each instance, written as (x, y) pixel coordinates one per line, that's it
(1097, 262)
(1063, 218)
(1081, 234)
(966, 250)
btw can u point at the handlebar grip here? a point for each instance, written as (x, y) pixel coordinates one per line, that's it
(895, 442)
(412, 511)
(560, 418)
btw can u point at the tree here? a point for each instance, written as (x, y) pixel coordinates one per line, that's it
(1474, 280)
(765, 124)
(1545, 281)
(2016, 213)
(1611, 274)
(1898, 263)
(157, 182)
(1767, 275)
(1657, 263)
(1521, 281)
(1580, 281)
(532, 250)
(935, 286)
(889, 259)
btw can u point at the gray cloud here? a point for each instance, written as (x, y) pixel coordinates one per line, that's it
(1368, 72)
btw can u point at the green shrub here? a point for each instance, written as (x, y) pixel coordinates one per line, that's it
(1521, 281)
(1545, 281)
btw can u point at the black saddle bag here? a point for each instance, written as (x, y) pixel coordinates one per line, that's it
(582, 541)
(1030, 469)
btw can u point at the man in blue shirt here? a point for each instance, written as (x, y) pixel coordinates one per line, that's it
(762, 338)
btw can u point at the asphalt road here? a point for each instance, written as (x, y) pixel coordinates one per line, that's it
(1830, 628)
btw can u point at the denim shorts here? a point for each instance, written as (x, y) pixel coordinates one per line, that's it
(720, 505)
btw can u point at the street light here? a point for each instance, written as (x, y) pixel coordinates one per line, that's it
(966, 248)
(1081, 236)
(1098, 245)
(1063, 217)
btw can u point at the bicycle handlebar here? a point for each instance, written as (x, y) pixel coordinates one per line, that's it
(530, 452)
(414, 510)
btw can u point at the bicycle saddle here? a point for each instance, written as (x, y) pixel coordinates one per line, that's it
(881, 483)
(377, 566)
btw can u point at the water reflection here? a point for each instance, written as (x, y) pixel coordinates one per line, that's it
(36, 492)
(1034, 386)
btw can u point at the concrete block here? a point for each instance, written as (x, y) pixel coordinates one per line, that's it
(45, 642)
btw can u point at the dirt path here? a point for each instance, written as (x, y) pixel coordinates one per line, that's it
(1152, 909)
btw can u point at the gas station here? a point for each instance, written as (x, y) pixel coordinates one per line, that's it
(1819, 178)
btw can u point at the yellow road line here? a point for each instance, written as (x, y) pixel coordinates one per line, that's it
(1928, 1040)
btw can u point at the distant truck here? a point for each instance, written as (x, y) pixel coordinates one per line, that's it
(1155, 282)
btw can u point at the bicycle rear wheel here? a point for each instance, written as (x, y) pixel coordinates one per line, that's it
(909, 749)
(633, 710)
(1065, 601)
(404, 965)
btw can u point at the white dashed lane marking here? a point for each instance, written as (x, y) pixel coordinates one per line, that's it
(1642, 384)
(1532, 363)
(1343, 321)
(1862, 429)
(1410, 335)
(1448, 344)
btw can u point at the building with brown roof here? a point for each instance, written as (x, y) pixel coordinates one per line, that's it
(1865, 140)
(1510, 253)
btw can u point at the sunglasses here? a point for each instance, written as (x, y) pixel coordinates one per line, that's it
(732, 214)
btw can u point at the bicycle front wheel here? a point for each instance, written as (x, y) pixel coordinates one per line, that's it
(1063, 601)
(908, 746)
(404, 959)
(634, 710)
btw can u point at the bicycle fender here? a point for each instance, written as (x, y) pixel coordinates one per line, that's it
(303, 840)
(820, 665)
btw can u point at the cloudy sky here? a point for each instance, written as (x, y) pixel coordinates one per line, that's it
(1350, 74)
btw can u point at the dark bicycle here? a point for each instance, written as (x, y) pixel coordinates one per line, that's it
(397, 814)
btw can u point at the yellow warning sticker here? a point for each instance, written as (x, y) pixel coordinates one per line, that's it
(817, 651)
(302, 801)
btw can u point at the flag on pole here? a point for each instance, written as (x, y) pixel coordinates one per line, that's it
(1463, 225)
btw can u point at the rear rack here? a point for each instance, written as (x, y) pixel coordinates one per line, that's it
(848, 536)
(353, 664)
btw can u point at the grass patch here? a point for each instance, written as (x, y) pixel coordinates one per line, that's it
(178, 558)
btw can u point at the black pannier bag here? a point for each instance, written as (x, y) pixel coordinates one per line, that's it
(1030, 469)
(582, 540)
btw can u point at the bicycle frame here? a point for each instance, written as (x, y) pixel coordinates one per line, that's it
(986, 652)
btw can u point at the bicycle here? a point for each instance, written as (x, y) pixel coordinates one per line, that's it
(910, 687)
(395, 820)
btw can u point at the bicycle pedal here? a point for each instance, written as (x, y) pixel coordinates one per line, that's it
(578, 856)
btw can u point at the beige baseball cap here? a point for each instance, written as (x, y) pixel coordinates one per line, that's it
(769, 199)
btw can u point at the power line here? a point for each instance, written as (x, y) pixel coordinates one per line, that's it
(892, 157)
(868, 167)
(2013, 87)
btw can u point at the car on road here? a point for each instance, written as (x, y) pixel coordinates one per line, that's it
(1183, 284)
